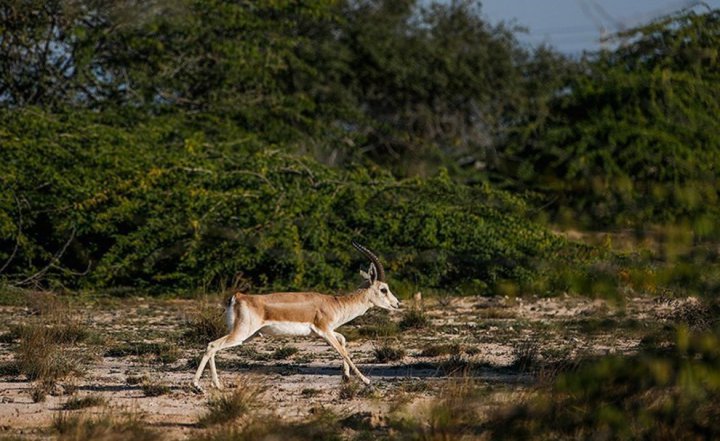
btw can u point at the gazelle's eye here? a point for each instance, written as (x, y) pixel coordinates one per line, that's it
(383, 290)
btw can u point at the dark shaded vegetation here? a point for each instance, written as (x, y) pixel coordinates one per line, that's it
(321, 425)
(673, 395)
(634, 141)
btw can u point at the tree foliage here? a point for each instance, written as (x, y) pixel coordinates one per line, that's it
(411, 85)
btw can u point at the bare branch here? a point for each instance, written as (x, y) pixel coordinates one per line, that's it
(35, 277)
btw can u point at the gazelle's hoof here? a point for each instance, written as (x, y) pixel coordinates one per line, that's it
(195, 386)
(365, 380)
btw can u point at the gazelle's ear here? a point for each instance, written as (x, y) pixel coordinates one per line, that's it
(373, 273)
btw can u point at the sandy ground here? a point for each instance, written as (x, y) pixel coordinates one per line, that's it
(492, 332)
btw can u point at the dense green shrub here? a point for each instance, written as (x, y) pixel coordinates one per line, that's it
(154, 205)
(634, 135)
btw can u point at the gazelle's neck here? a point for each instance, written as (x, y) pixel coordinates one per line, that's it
(353, 305)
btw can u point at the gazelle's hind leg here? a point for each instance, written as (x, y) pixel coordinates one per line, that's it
(229, 343)
(235, 338)
(346, 366)
(208, 353)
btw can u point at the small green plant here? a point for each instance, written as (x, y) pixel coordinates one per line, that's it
(310, 392)
(133, 380)
(284, 352)
(388, 352)
(351, 390)
(151, 389)
(442, 349)
(386, 329)
(75, 403)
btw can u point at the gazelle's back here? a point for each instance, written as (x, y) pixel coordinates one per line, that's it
(287, 307)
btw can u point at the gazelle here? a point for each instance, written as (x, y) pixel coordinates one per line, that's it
(301, 313)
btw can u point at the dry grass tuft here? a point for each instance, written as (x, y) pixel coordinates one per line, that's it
(231, 406)
(206, 324)
(453, 415)
(525, 356)
(105, 427)
(43, 357)
(46, 348)
(497, 313)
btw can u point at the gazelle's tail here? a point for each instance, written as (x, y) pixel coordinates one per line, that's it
(230, 313)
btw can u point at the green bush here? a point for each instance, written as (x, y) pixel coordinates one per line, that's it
(633, 137)
(155, 206)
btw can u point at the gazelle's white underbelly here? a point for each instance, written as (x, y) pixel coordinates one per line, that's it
(286, 328)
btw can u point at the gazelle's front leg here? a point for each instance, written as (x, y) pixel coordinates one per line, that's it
(346, 366)
(329, 336)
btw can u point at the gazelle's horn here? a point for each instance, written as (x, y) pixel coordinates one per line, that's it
(373, 258)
